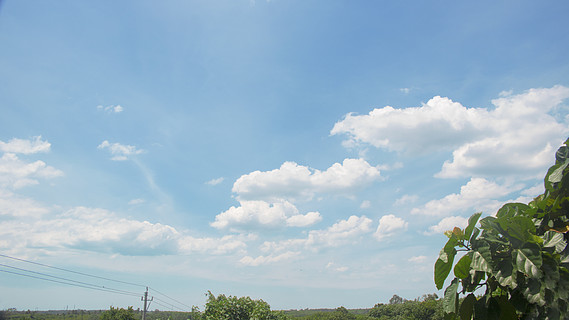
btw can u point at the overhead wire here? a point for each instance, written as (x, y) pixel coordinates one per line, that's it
(67, 283)
(181, 303)
(76, 272)
(71, 280)
(87, 285)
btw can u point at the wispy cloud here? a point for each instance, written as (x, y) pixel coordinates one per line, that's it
(111, 109)
(119, 151)
(214, 182)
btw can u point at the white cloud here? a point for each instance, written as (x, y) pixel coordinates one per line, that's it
(303, 220)
(15, 173)
(418, 259)
(99, 230)
(389, 225)
(332, 266)
(254, 214)
(405, 90)
(478, 194)
(119, 151)
(343, 232)
(16, 206)
(292, 181)
(23, 146)
(250, 261)
(214, 182)
(405, 199)
(516, 138)
(447, 223)
(111, 109)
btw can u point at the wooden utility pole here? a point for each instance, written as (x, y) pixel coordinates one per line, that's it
(145, 299)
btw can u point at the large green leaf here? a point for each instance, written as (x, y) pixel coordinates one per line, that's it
(467, 307)
(471, 224)
(450, 300)
(528, 260)
(481, 258)
(518, 227)
(512, 210)
(555, 240)
(462, 267)
(505, 274)
(557, 173)
(443, 265)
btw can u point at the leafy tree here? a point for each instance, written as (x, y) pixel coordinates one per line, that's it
(234, 308)
(396, 299)
(429, 309)
(520, 257)
(118, 314)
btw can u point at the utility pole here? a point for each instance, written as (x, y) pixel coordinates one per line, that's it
(145, 299)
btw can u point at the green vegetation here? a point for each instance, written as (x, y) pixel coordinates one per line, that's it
(519, 257)
(119, 314)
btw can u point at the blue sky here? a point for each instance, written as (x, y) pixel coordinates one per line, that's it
(309, 153)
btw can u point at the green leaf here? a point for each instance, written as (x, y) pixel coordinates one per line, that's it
(554, 240)
(518, 227)
(467, 307)
(481, 258)
(562, 153)
(557, 173)
(507, 310)
(505, 275)
(512, 210)
(462, 267)
(443, 265)
(471, 224)
(450, 300)
(528, 260)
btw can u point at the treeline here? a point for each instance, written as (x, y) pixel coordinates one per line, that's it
(222, 307)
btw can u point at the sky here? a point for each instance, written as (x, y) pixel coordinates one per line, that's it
(307, 153)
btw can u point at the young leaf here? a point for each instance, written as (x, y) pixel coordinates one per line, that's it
(443, 265)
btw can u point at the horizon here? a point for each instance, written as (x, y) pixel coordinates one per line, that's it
(310, 154)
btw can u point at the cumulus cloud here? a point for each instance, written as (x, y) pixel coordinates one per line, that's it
(343, 232)
(517, 137)
(214, 182)
(292, 181)
(260, 260)
(136, 201)
(119, 151)
(478, 194)
(111, 109)
(389, 225)
(24, 146)
(447, 223)
(16, 173)
(365, 204)
(254, 214)
(99, 230)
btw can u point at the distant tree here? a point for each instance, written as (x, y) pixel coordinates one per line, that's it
(3, 315)
(234, 308)
(396, 299)
(118, 314)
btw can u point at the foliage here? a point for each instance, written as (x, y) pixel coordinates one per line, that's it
(520, 257)
(119, 314)
(234, 308)
(428, 309)
(340, 313)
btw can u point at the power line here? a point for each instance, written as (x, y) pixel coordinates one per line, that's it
(76, 272)
(71, 284)
(71, 280)
(173, 306)
(171, 298)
